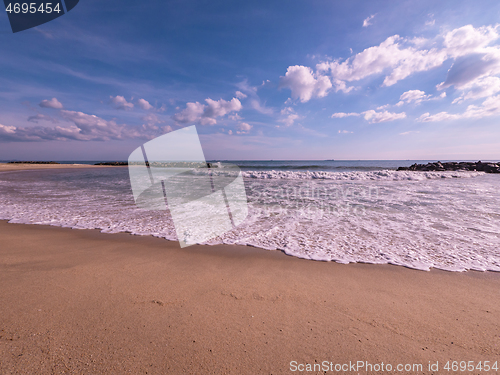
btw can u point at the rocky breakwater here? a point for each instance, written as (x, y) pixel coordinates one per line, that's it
(33, 162)
(454, 166)
(113, 163)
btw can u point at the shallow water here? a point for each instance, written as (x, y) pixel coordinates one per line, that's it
(446, 220)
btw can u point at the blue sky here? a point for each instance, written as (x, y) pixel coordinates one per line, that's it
(260, 79)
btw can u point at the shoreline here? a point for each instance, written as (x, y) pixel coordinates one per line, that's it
(6, 167)
(85, 301)
(431, 269)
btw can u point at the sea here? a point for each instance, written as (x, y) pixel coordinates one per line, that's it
(340, 211)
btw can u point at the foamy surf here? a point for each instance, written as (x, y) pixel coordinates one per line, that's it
(388, 175)
(421, 220)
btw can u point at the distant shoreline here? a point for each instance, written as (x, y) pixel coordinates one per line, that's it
(6, 167)
(115, 163)
(92, 162)
(418, 165)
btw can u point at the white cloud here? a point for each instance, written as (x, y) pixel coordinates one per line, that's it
(418, 42)
(244, 128)
(240, 95)
(441, 116)
(342, 115)
(290, 119)
(397, 58)
(413, 61)
(83, 127)
(476, 63)
(90, 127)
(410, 132)
(431, 21)
(490, 107)
(345, 132)
(7, 129)
(206, 114)
(144, 104)
(342, 86)
(119, 102)
(289, 116)
(367, 20)
(235, 117)
(221, 107)
(467, 39)
(230, 132)
(151, 124)
(475, 67)
(480, 88)
(392, 54)
(468, 69)
(412, 96)
(52, 103)
(191, 113)
(152, 119)
(304, 83)
(375, 117)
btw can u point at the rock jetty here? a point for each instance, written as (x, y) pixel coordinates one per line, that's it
(115, 163)
(454, 166)
(33, 162)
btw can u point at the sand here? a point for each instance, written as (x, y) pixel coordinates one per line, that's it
(85, 302)
(6, 167)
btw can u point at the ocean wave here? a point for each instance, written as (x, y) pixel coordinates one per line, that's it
(439, 222)
(388, 175)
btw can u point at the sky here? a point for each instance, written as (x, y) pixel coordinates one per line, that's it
(295, 80)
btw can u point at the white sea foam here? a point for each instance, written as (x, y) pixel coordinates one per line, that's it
(390, 175)
(446, 220)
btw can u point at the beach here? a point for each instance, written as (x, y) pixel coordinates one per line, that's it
(81, 301)
(247, 188)
(6, 167)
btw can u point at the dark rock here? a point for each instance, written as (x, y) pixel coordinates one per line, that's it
(491, 168)
(454, 166)
(114, 163)
(33, 162)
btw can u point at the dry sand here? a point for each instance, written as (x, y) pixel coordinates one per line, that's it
(84, 302)
(6, 167)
